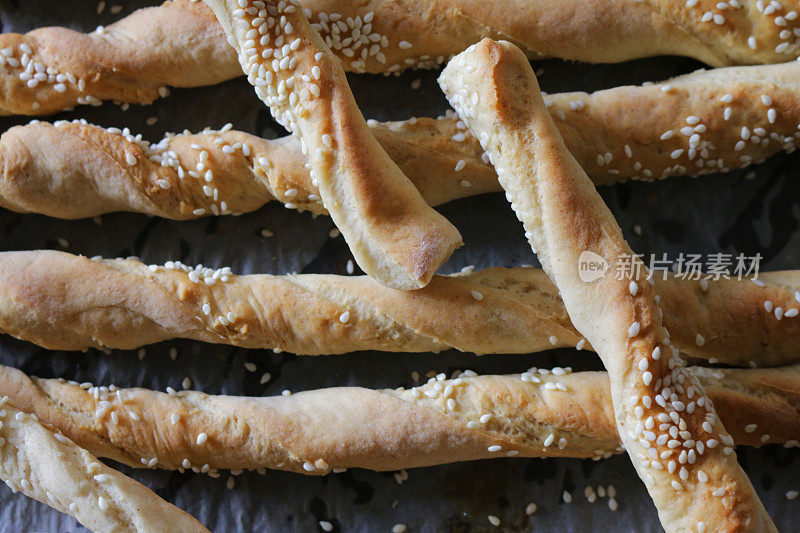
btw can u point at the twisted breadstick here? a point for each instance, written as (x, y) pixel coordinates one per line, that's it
(74, 170)
(181, 44)
(394, 235)
(51, 468)
(62, 301)
(176, 44)
(667, 424)
(536, 414)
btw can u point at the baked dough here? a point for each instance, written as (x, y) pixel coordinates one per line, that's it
(51, 468)
(666, 422)
(66, 302)
(540, 413)
(181, 44)
(394, 235)
(73, 169)
(178, 43)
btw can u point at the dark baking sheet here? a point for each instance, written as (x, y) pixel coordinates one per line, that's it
(724, 213)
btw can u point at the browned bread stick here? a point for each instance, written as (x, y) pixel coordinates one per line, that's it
(181, 44)
(668, 425)
(71, 170)
(394, 235)
(539, 413)
(62, 301)
(51, 468)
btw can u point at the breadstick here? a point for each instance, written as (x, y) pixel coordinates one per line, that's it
(74, 170)
(539, 413)
(66, 302)
(180, 43)
(659, 406)
(394, 235)
(52, 469)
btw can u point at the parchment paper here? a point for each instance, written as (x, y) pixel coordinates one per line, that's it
(725, 213)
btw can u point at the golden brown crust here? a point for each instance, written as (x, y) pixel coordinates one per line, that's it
(660, 407)
(181, 44)
(394, 235)
(742, 32)
(525, 415)
(46, 168)
(62, 301)
(178, 43)
(51, 468)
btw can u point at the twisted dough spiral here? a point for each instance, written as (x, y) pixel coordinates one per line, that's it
(180, 43)
(536, 414)
(51, 468)
(74, 170)
(661, 409)
(62, 301)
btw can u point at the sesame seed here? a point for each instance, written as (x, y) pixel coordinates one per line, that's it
(699, 340)
(772, 115)
(493, 520)
(344, 318)
(633, 287)
(477, 295)
(656, 355)
(727, 113)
